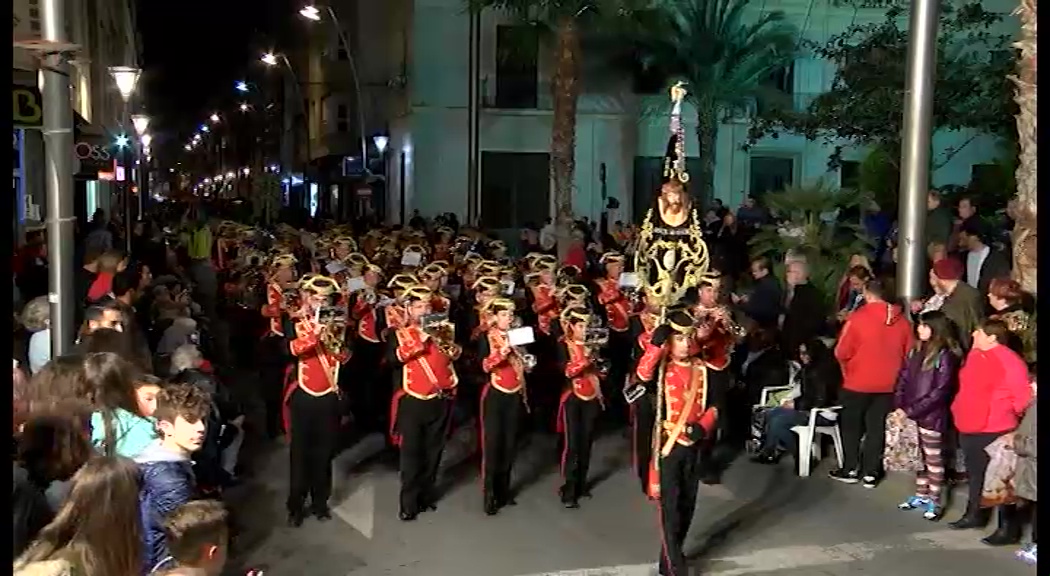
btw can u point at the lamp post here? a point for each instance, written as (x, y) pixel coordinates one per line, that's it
(126, 77)
(58, 142)
(144, 162)
(141, 124)
(312, 12)
(274, 60)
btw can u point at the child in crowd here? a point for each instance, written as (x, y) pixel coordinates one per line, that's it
(1025, 478)
(198, 538)
(133, 430)
(167, 472)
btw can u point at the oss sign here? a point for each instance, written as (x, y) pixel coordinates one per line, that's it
(29, 113)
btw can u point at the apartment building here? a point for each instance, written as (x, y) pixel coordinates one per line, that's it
(618, 144)
(105, 32)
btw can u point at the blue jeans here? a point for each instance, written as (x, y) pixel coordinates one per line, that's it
(780, 421)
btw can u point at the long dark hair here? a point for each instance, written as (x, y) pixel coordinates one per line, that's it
(53, 446)
(114, 378)
(99, 528)
(942, 338)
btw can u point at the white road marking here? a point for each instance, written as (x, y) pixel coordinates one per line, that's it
(359, 508)
(794, 557)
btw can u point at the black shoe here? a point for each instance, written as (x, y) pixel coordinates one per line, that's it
(295, 519)
(1009, 530)
(767, 457)
(428, 507)
(870, 480)
(570, 503)
(711, 478)
(323, 515)
(844, 476)
(970, 520)
(510, 502)
(491, 509)
(407, 516)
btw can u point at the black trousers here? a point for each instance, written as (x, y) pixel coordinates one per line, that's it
(972, 447)
(314, 434)
(544, 384)
(864, 416)
(272, 379)
(423, 425)
(642, 421)
(500, 418)
(618, 352)
(679, 479)
(370, 394)
(578, 421)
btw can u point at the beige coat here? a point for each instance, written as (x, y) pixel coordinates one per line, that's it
(1025, 445)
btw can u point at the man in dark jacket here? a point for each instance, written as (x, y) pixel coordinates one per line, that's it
(983, 263)
(763, 304)
(167, 473)
(804, 312)
(938, 220)
(30, 509)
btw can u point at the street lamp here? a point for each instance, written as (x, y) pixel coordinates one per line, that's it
(126, 77)
(188, 147)
(312, 12)
(146, 140)
(381, 142)
(270, 59)
(214, 118)
(241, 86)
(140, 122)
(244, 106)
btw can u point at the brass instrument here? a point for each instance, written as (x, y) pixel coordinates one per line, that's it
(290, 298)
(596, 335)
(334, 320)
(529, 360)
(443, 331)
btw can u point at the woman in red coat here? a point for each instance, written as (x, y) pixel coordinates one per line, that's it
(992, 397)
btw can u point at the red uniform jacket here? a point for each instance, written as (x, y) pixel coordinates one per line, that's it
(617, 308)
(367, 325)
(580, 370)
(273, 308)
(426, 372)
(439, 303)
(506, 371)
(545, 306)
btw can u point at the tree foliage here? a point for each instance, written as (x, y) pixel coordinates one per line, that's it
(864, 105)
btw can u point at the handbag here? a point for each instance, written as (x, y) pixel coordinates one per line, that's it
(999, 476)
(902, 444)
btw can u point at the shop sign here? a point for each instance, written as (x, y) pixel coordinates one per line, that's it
(29, 110)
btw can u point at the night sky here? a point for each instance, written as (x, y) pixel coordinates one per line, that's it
(194, 51)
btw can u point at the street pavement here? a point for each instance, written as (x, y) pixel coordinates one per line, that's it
(760, 521)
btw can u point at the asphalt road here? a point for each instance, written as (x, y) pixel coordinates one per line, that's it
(760, 521)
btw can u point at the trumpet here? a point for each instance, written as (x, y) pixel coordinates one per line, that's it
(528, 359)
(595, 335)
(333, 320)
(443, 331)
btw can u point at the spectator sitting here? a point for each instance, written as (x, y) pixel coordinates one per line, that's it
(217, 460)
(198, 538)
(167, 474)
(98, 531)
(819, 383)
(36, 317)
(871, 349)
(123, 424)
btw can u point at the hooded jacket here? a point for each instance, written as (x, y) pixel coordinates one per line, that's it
(872, 348)
(167, 483)
(925, 395)
(133, 432)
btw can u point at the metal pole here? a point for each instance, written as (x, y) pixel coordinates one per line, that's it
(915, 149)
(58, 147)
(125, 159)
(306, 123)
(473, 118)
(357, 86)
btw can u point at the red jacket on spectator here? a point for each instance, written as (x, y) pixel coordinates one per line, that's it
(993, 391)
(872, 347)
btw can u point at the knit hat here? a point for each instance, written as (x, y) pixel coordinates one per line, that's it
(948, 269)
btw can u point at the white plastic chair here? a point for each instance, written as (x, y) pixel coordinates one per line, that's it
(809, 439)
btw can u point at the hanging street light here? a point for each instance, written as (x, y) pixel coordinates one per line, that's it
(140, 122)
(311, 13)
(244, 106)
(214, 118)
(270, 59)
(381, 142)
(146, 140)
(126, 78)
(241, 86)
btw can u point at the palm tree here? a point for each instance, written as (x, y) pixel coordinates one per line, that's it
(1024, 235)
(563, 22)
(724, 57)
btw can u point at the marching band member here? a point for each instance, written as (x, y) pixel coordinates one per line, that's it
(373, 390)
(433, 277)
(282, 299)
(443, 243)
(485, 288)
(544, 299)
(617, 316)
(503, 399)
(687, 414)
(313, 400)
(422, 407)
(580, 405)
(643, 410)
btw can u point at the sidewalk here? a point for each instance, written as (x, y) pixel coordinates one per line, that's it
(762, 520)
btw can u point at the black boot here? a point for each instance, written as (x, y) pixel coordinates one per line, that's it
(767, 456)
(971, 519)
(1009, 530)
(491, 507)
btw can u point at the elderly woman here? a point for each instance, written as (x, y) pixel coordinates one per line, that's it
(36, 319)
(1008, 302)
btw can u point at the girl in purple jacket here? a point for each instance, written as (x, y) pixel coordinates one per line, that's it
(924, 391)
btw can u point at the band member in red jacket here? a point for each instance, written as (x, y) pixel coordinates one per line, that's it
(503, 400)
(687, 416)
(617, 318)
(643, 409)
(282, 299)
(581, 404)
(319, 347)
(421, 410)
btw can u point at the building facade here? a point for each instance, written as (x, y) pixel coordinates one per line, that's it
(618, 142)
(105, 32)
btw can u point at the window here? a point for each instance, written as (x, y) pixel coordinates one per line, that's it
(771, 174)
(849, 174)
(515, 189)
(517, 54)
(783, 79)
